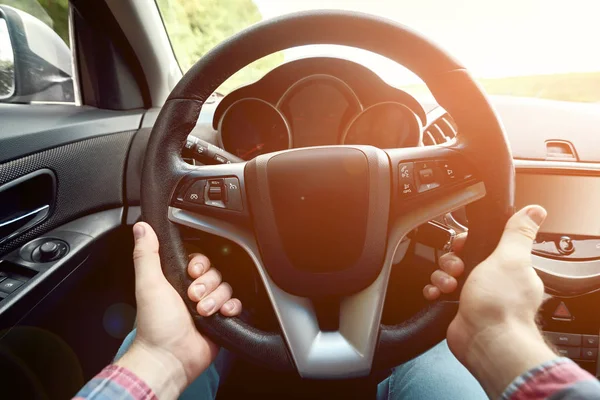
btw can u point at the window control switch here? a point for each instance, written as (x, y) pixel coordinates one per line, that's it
(9, 285)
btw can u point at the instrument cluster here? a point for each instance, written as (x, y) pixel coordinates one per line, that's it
(317, 102)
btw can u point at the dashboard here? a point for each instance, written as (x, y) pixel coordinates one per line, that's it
(331, 101)
(316, 102)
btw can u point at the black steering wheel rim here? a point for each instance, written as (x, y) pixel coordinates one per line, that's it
(482, 141)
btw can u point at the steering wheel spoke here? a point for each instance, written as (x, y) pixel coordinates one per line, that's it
(430, 181)
(215, 191)
(346, 352)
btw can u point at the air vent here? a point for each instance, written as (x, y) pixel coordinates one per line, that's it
(560, 150)
(440, 131)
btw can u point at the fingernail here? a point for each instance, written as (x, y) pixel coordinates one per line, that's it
(199, 290)
(228, 306)
(537, 215)
(138, 231)
(207, 304)
(445, 280)
(198, 268)
(431, 290)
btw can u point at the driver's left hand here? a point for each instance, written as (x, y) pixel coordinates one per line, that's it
(168, 351)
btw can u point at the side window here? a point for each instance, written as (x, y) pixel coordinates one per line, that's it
(35, 59)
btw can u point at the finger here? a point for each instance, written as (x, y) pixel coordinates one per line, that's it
(459, 242)
(443, 281)
(451, 264)
(204, 285)
(231, 308)
(198, 265)
(519, 234)
(431, 292)
(145, 255)
(214, 301)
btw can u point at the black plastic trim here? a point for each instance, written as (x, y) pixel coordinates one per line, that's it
(31, 128)
(80, 235)
(107, 61)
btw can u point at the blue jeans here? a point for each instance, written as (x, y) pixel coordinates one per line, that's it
(436, 374)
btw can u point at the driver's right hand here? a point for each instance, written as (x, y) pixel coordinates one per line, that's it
(494, 333)
(444, 279)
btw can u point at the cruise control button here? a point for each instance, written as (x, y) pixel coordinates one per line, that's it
(589, 354)
(215, 193)
(571, 352)
(564, 339)
(590, 341)
(448, 170)
(406, 179)
(234, 194)
(428, 186)
(426, 175)
(195, 194)
(424, 165)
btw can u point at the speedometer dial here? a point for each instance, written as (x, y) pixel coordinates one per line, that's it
(251, 127)
(385, 125)
(318, 108)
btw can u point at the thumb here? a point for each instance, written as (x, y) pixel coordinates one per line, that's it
(520, 232)
(145, 255)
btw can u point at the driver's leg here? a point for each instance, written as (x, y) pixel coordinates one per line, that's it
(206, 385)
(436, 374)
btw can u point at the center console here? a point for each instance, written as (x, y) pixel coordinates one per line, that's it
(566, 255)
(571, 326)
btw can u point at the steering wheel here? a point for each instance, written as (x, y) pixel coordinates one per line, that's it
(327, 222)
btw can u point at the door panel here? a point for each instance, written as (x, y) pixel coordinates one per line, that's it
(69, 302)
(89, 176)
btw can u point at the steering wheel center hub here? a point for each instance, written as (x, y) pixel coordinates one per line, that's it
(312, 211)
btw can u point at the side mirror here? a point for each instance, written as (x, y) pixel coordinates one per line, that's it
(35, 63)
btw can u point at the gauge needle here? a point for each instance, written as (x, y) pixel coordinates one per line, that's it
(253, 150)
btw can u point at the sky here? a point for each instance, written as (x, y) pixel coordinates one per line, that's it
(5, 47)
(492, 38)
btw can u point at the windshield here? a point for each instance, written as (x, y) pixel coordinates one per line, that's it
(527, 48)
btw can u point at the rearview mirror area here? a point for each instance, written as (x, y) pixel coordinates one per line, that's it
(7, 63)
(35, 63)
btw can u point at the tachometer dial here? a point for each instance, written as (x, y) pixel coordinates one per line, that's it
(251, 127)
(384, 125)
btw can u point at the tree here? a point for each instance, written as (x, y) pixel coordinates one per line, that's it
(196, 26)
(7, 77)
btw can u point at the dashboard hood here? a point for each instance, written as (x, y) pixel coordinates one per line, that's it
(530, 123)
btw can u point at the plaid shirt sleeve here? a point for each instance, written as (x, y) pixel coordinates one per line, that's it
(557, 379)
(115, 382)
